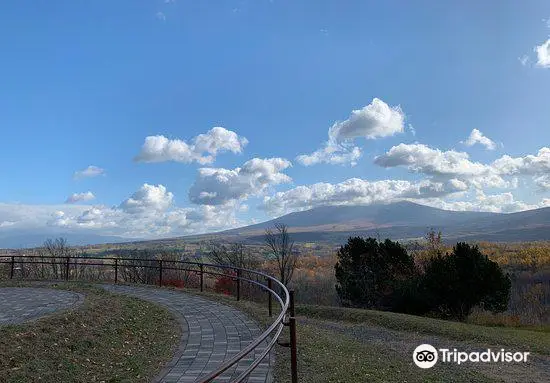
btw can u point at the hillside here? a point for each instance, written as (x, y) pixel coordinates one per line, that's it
(402, 220)
(334, 224)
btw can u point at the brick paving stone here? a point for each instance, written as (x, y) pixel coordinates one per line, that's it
(212, 333)
(21, 304)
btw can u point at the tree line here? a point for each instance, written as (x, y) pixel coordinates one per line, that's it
(382, 275)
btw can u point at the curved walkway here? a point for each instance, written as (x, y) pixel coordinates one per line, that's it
(21, 304)
(212, 333)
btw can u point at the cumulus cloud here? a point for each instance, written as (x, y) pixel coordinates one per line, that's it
(445, 165)
(216, 186)
(495, 203)
(356, 191)
(202, 149)
(476, 137)
(90, 171)
(147, 213)
(80, 197)
(420, 158)
(543, 182)
(148, 199)
(543, 54)
(375, 120)
(529, 165)
(333, 154)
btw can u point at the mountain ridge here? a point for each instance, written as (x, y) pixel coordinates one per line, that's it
(400, 221)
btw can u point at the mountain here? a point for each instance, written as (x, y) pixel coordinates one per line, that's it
(403, 221)
(334, 224)
(373, 216)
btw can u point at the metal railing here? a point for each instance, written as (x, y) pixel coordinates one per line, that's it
(63, 267)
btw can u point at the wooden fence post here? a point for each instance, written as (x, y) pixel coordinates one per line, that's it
(160, 272)
(12, 266)
(67, 265)
(202, 277)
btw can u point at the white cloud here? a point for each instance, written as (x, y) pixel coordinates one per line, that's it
(543, 54)
(90, 171)
(147, 213)
(216, 186)
(160, 16)
(538, 164)
(202, 149)
(375, 120)
(420, 158)
(80, 197)
(333, 154)
(356, 191)
(495, 203)
(476, 137)
(543, 182)
(442, 166)
(148, 199)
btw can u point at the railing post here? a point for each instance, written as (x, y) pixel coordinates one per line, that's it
(67, 268)
(293, 350)
(269, 299)
(238, 284)
(202, 277)
(116, 270)
(160, 272)
(12, 266)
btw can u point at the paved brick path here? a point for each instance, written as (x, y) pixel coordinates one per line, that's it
(212, 333)
(20, 304)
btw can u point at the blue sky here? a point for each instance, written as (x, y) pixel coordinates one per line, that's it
(85, 83)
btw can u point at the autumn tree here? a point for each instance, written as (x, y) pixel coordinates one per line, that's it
(281, 246)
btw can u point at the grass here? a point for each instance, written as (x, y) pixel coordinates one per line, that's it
(109, 338)
(328, 356)
(531, 340)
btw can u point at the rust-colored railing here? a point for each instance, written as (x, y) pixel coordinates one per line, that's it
(286, 317)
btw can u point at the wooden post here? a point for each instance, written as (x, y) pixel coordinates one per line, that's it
(202, 277)
(238, 284)
(269, 299)
(116, 270)
(67, 268)
(160, 272)
(12, 266)
(293, 350)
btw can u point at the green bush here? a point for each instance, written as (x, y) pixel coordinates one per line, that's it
(381, 275)
(368, 272)
(465, 278)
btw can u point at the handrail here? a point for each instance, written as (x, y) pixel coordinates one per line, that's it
(276, 326)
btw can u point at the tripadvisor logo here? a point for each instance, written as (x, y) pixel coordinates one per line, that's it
(426, 356)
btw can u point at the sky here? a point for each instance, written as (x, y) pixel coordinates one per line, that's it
(159, 118)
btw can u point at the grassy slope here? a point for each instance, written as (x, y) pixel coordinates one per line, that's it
(528, 339)
(328, 356)
(109, 338)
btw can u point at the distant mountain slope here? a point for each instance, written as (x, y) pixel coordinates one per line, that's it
(334, 224)
(368, 217)
(402, 220)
